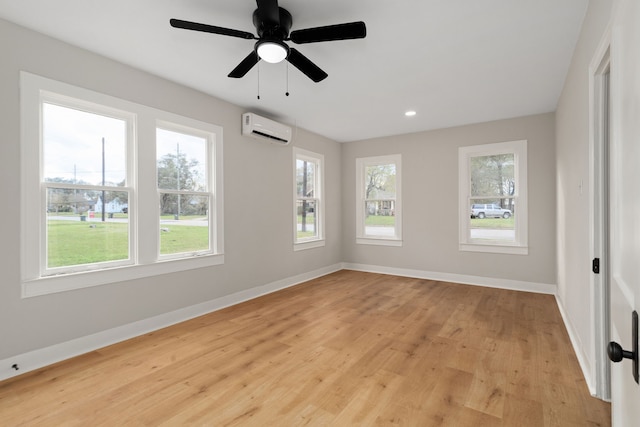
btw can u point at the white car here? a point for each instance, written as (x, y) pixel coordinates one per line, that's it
(489, 211)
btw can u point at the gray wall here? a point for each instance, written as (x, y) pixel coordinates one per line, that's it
(430, 201)
(258, 203)
(257, 206)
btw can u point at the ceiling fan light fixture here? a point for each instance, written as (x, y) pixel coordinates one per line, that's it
(272, 24)
(272, 51)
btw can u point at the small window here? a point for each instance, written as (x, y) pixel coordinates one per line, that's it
(493, 197)
(378, 208)
(308, 204)
(183, 191)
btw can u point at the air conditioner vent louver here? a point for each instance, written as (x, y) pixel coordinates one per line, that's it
(259, 127)
(266, 135)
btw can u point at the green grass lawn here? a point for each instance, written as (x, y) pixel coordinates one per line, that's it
(380, 220)
(493, 223)
(77, 242)
(305, 234)
(182, 217)
(183, 238)
(310, 220)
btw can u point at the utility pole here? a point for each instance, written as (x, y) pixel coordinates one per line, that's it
(178, 176)
(75, 190)
(103, 192)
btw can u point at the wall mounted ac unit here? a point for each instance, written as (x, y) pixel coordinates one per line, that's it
(265, 129)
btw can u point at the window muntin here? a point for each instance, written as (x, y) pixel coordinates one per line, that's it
(493, 203)
(308, 205)
(109, 201)
(378, 210)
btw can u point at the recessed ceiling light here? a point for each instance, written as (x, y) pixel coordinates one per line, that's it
(410, 113)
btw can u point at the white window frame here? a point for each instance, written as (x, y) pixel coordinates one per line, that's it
(319, 239)
(141, 183)
(197, 130)
(361, 235)
(520, 244)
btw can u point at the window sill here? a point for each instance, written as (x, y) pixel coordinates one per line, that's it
(301, 246)
(378, 241)
(67, 282)
(494, 248)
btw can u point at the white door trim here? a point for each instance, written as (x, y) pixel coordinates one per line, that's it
(598, 214)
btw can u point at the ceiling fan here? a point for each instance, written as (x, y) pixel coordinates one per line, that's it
(272, 25)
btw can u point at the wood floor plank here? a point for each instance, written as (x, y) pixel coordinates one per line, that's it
(522, 412)
(349, 348)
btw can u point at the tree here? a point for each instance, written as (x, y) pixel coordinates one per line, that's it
(493, 177)
(379, 178)
(176, 172)
(380, 181)
(68, 199)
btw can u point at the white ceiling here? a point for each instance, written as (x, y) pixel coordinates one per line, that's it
(453, 61)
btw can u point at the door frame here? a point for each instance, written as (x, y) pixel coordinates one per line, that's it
(599, 226)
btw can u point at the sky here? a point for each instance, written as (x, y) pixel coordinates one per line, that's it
(72, 145)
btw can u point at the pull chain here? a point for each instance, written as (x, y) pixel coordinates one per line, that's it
(287, 92)
(258, 80)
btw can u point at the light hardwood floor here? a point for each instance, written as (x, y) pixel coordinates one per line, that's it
(346, 349)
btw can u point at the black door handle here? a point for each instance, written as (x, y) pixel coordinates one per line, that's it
(616, 353)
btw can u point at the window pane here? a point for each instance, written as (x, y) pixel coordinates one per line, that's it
(181, 161)
(77, 235)
(184, 223)
(489, 221)
(83, 148)
(380, 218)
(492, 216)
(493, 176)
(305, 178)
(380, 194)
(380, 182)
(307, 226)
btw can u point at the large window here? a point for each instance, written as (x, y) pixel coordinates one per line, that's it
(308, 203)
(113, 190)
(493, 197)
(378, 206)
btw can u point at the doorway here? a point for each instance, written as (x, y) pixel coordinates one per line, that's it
(600, 146)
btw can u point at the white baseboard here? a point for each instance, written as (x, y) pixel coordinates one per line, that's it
(46, 356)
(489, 282)
(578, 350)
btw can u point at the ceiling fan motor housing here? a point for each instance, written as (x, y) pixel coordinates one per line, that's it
(272, 30)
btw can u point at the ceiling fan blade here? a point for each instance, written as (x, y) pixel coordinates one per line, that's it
(269, 11)
(188, 25)
(303, 64)
(244, 66)
(351, 30)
